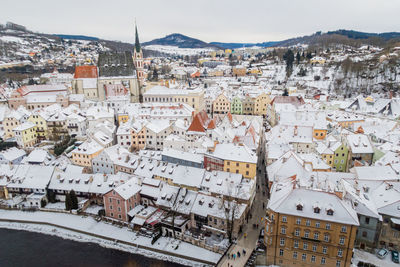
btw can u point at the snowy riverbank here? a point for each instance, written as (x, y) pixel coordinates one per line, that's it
(81, 225)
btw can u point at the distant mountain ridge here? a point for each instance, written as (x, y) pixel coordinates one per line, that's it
(181, 41)
(364, 35)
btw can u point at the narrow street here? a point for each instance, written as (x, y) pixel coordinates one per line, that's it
(249, 237)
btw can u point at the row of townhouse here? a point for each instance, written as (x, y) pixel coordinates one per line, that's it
(54, 122)
(198, 132)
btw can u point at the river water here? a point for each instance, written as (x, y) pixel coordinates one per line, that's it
(22, 248)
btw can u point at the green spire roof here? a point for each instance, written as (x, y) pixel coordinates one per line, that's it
(137, 43)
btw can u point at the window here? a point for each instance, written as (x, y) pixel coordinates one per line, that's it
(317, 224)
(308, 223)
(282, 241)
(295, 255)
(307, 234)
(298, 221)
(110, 199)
(284, 219)
(305, 245)
(328, 226)
(283, 230)
(329, 212)
(324, 250)
(364, 234)
(299, 207)
(340, 252)
(297, 232)
(296, 244)
(316, 235)
(338, 263)
(281, 252)
(110, 207)
(367, 220)
(312, 258)
(326, 237)
(304, 257)
(341, 240)
(314, 247)
(323, 260)
(344, 229)
(317, 210)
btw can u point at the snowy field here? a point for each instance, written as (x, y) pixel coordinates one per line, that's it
(174, 50)
(89, 225)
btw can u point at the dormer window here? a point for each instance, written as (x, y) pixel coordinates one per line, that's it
(329, 212)
(299, 207)
(317, 210)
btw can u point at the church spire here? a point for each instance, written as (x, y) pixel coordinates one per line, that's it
(137, 43)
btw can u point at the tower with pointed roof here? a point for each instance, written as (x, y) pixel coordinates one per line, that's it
(138, 61)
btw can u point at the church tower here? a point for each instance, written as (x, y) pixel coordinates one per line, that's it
(138, 61)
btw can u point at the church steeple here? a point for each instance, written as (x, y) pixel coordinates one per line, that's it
(137, 43)
(138, 61)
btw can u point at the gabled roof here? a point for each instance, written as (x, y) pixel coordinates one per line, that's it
(199, 123)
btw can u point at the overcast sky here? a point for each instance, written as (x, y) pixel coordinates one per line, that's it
(208, 20)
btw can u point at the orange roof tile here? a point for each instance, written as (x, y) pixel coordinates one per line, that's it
(199, 122)
(211, 125)
(229, 116)
(85, 72)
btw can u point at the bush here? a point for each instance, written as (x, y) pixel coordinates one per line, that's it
(60, 147)
(101, 213)
(43, 203)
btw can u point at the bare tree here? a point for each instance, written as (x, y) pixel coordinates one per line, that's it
(231, 208)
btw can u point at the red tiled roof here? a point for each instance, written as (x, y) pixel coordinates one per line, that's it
(85, 72)
(211, 125)
(199, 122)
(229, 116)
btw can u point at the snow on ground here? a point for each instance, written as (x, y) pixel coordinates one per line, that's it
(360, 255)
(94, 209)
(174, 50)
(12, 39)
(89, 225)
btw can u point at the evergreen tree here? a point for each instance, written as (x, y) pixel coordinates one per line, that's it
(285, 92)
(74, 200)
(298, 57)
(309, 55)
(68, 202)
(155, 75)
(289, 58)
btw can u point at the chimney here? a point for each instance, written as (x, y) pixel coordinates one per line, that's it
(391, 94)
(295, 130)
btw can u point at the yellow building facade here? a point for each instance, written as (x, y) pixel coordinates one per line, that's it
(261, 104)
(41, 126)
(299, 241)
(221, 105)
(247, 169)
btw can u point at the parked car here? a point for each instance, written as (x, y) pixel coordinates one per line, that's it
(395, 256)
(382, 253)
